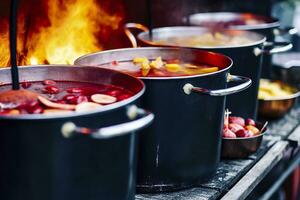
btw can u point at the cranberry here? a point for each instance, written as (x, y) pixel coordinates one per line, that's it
(114, 93)
(37, 110)
(51, 90)
(243, 133)
(235, 127)
(70, 98)
(123, 97)
(74, 90)
(26, 85)
(228, 134)
(237, 120)
(49, 82)
(250, 122)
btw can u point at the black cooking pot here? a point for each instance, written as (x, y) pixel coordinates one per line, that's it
(247, 58)
(268, 26)
(39, 162)
(183, 146)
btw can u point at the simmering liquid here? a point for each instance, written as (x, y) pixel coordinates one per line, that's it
(206, 40)
(143, 67)
(61, 93)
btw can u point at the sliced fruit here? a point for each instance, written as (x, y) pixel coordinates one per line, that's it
(56, 111)
(172, 67)
(103, 99)
(157, 63)
(51, 104)
(87, 106)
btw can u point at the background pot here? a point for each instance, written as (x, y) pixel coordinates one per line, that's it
(183, 147)
(38, 162)
(247, 58)
(270, 27)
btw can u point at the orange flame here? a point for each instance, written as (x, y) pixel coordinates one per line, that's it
(73, 30)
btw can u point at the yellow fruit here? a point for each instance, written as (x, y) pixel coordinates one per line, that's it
(173, 67)
(253, 129)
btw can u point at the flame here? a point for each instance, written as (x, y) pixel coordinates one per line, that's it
(73, 28)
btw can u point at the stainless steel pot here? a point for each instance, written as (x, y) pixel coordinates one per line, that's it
(41, 161)
(268, 26)
(183, 147)
(247, 58)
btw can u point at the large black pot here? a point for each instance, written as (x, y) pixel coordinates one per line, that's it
(247, 58)
(39, 162)
(183, 146)
(268, 26)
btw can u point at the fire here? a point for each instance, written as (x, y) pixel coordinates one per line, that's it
(73, 28)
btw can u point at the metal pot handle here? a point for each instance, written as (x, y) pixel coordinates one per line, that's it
(70, 129)
(130, 35)
(285, 30)
(189, 88)
(276, 47)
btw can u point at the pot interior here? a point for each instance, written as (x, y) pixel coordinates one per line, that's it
(241, 21)
(199, 37)
(76, 74)
(106, 58)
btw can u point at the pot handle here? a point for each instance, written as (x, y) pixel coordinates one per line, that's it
(70, 129)
(285, 30)
(130, 35)
(189, 88)
(273, 47)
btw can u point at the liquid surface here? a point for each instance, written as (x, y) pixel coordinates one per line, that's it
(63, 96)
(143, 67)
(206, 40)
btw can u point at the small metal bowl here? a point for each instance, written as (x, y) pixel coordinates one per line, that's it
(236, 148)
(277, 107)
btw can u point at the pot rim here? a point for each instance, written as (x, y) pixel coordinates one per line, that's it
(74, 114)
(160, 48)
(189, 28)
(274, 22)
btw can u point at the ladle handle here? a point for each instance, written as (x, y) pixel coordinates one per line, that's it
(189, 88)
(130, 35)
(276, 47)
(70, 129)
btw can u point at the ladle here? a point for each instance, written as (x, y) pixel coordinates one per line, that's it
(15, 96)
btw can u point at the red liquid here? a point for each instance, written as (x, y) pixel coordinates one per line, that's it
(63, 92)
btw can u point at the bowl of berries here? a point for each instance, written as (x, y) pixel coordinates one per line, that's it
(241, 137)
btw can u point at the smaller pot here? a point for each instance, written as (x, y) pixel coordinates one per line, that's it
(237, 148)
(277, 107)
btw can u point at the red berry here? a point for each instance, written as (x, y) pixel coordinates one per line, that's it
(49, 82)
(235, 127)
(114, 93)
(228, 134)
(250, 122)
(74, 90)
(37, 110)
(70, 98)
(26, 85)
(51, 89)
(237, 120)
(243, 133)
